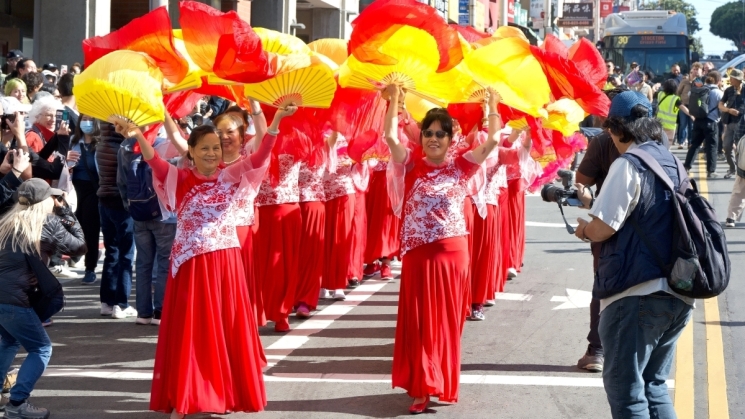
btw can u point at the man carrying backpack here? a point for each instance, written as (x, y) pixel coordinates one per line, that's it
(703, 107)
(641, 317)
(154, 231)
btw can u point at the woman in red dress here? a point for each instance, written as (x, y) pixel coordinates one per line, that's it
(209, 355)
(430, 192)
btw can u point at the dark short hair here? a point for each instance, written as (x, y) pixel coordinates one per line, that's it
(637, 127)
(32, 80)
(669, 87)
(65, 84)
(197, 134)
(22, 63)
(48, 87)
(441, 115)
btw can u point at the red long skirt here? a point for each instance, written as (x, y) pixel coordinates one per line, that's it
(311, 253)
(483, 256)
(245, 236)
(383, 227)
(338, 252)
(209, 355)
(276, 251)
(359, 237)
(495, 283)
(470, 211)
(431, 313)
(517, 224)
(505, 239)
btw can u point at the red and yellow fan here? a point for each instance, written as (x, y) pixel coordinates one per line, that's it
(121, 86)
(313, 86)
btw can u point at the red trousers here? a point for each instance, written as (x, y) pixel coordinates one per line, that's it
(338, 246)
(359, 237)
(312, 241)
(484, 255)
(383, 227)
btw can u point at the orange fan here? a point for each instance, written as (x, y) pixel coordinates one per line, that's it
(335, 49)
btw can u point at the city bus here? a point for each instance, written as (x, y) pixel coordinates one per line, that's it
(655, 39)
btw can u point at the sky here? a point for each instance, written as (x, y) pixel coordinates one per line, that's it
(712, 43)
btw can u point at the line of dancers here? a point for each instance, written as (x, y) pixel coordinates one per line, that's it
(264, 231)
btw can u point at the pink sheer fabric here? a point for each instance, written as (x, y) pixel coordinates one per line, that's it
(432, 197)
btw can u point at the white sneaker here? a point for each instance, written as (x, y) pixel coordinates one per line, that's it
(123, 314)
(325, 294)
(106, 310)
(61, 272)
(144, 320)
(339, 295)
(76, 265)
(511, 273)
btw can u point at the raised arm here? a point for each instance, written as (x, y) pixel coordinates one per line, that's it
(259, 119)
(481, 152)
(398, 150)
(331, 140)
(174, 135)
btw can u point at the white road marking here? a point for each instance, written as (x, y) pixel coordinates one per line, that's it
(551, 225)
(574, 299)
(512, 296)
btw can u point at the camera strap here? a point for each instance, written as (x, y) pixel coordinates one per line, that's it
(570, 229)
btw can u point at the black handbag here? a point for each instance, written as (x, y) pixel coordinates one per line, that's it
(47, 298)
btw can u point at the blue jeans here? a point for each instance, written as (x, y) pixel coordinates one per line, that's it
(685, 126)
(639, 336)
(153, 240)
(118, 240)
(20, 326)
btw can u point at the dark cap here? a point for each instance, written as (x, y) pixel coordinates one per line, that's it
(35, 190)
(623, 103)
(14, 53)
(617, 68)
(634, 64)
(49, 66)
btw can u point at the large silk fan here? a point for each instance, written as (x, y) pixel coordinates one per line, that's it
(335, 49)
(313, 86)
(281, 43)
(123, 85)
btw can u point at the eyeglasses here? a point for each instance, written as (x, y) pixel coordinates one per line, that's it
(428, 133)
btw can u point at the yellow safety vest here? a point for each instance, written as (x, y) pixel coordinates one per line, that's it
(667, 113)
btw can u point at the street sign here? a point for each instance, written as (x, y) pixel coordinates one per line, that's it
(606, 8)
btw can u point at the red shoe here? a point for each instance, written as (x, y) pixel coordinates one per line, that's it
(282, 325)
(418, 408)
(385, 272)
(371, 269)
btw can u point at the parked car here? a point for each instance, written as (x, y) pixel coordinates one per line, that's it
(729, 55)
(713, 57)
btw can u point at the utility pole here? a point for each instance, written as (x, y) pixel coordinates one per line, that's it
(547, 21)
(596, 20)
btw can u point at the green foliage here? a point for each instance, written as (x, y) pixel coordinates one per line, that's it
(679, 6)
(697, 45)
(728, 22)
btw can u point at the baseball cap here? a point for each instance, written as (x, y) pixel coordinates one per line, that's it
(12, 105)
(623, 103)
(49, 66)
(14, 53)
(736, 74)
(34, 191)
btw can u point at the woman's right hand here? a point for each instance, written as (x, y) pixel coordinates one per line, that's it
(64, 128)
(126, 130)
(21, 161)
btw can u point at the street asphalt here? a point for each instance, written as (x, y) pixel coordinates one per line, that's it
(518, 363)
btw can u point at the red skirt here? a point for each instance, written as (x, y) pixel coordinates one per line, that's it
(209, 355)
(340, 216)
(517, 224)
(312, 236)
(483, 256)
(359, 232)
(276, 255)
(431, 313)
(383, 227)
(495, 283)
(505, 240)
(245, 236)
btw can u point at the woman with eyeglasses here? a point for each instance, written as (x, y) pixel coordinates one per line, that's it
(428, 191)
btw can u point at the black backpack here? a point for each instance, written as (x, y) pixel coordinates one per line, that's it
(142, 201)
(699, 265)
(698, 105)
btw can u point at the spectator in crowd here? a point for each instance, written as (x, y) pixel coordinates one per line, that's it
(52, 90)
(16, 88)
(732, 107)
(64, 86)
(49, 77)
(637, 81)
(639, 343)
(33, 81)
(43, 116)
(76, 68)
(706, 130)
(85, 180)
(631, 78)
(708, 66)
(667, 108)
(737, 199)
(153, 237)
(676, 75)
(50, 67)
(25, 65)
(117, 228)
(685, 121)
(11, 59)
(29, 230)
(609, 67)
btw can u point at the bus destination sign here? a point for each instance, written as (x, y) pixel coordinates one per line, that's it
(647, 41)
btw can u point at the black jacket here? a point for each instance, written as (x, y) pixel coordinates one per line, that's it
(40, 167)
(8, 185)
(106, 157)
(60, 233)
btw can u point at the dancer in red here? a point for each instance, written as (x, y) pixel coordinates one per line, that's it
(361, 178)
(434, 276)
(209, 355)
(313, 232)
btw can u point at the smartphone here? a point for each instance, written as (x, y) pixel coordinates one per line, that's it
(58, 119)
(11, 155)
(63, 69)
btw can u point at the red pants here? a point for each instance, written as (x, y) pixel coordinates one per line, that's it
(383, 227)
(359, 239)
(312, 240)
(516, 206)
(484, 256)
(246, 236)
(338, 246)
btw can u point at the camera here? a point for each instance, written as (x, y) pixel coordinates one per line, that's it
(567, 195)
(7, 120)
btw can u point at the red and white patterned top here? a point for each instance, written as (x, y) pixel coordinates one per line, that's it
(496, 178)
(434, 198)
(340, 183)
(243, 203)
(288, 190)
(310, 182)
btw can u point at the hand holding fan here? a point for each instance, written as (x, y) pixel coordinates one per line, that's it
(123, 85)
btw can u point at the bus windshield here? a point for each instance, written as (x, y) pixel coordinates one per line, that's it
(658, 61)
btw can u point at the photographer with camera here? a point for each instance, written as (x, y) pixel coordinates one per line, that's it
(641, 317)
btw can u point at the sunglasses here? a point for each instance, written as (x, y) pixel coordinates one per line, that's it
(428, 133)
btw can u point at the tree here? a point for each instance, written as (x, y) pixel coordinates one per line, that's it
(680, 6)
(727, 22)
(697, 45)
